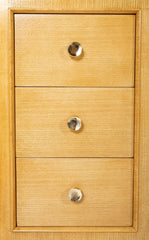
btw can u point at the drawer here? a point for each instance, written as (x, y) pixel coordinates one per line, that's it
(106, 114)
(43, 185)
(41, 50)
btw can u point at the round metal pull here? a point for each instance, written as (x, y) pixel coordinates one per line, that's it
(75, 49)
(75, 195)
(74, 123)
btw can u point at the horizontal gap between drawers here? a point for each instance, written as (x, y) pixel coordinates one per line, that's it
(82, 157)
(68, 87)
(75, 13)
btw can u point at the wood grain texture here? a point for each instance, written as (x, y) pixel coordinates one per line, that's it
(43, 186)
(80, 5)
(41, 122)
(5, 133)
(137, 115)
(5, 187)
(41, 50)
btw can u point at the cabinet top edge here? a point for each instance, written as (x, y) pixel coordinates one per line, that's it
(75, 11)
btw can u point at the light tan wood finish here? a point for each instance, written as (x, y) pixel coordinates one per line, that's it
(42, 59)
(41, 122)
(137, 104)
(38, 233)
(43, 185)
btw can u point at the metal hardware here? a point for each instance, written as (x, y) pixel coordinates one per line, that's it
(75, 49)
(75, 195)
(74, 123)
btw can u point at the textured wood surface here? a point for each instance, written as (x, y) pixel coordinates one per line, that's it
(43, 185)
(5, 163)
(79, 5)
(41, 50)
(107, 117)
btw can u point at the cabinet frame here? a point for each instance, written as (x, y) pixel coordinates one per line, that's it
(6, 115)
(13, 187)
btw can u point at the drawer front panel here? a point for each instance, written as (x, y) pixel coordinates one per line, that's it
(107, 122)
(41, 50)
(43, 186)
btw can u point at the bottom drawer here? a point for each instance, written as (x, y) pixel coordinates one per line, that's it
(43, 185)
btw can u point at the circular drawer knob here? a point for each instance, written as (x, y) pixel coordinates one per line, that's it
(75, 195)
(75, 49)
(74, 123)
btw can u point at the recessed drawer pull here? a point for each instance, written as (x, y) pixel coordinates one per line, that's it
(74, 123)
(75, 195)
(75, 49)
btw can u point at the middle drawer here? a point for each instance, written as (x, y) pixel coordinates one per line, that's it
(107, 116)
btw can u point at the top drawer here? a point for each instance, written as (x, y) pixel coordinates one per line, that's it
(41, 50)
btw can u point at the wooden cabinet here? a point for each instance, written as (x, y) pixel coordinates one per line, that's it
(53, 85)
(60, 181)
